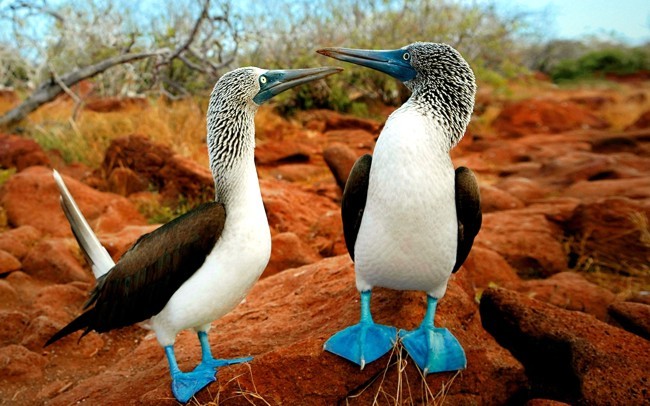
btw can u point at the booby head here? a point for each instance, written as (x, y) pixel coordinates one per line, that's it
(441, 80)
(254, 86)
(233, 104)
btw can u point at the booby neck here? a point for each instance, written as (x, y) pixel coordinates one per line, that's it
(432, 98)
(231, 148)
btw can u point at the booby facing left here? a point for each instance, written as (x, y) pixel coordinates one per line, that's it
(409, 218)
(198, 267)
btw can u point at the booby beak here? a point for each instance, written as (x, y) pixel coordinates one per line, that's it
(396, 63)
(274, 82)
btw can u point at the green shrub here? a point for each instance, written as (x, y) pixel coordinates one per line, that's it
(619, 61)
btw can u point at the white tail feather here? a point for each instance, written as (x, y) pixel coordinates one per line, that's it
(99, 259)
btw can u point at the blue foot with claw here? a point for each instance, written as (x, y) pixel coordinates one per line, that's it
(186, 384)
(433, 349)
(364, 342)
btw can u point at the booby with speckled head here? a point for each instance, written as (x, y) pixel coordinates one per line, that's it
(198, 267)
(409, 218)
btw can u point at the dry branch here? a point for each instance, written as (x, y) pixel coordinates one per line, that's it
(50, 89)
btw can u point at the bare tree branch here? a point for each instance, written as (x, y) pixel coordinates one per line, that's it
(50, 89)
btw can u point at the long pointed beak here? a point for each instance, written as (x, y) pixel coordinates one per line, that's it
(277, 81)
(394, 62)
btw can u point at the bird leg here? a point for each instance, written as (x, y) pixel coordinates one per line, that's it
(433, 349)
(186, 384)
(211, 363)
(364, 342)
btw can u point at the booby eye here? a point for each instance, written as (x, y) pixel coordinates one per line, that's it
(406, 56)
(262, 79)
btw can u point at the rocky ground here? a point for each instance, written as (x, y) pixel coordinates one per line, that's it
(552, 305)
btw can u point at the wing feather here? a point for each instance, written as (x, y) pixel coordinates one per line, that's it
(354, 198)
(468, 212)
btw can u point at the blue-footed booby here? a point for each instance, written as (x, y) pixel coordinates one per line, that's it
(409, 218)
(198, 267)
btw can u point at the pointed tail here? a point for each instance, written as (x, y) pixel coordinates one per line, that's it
(80, 322)
(93, 250)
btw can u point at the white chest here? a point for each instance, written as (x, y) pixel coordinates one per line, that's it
(408, 233)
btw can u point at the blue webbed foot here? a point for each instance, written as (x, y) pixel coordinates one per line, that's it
(364, 342)
(434, 349)
(186, 384)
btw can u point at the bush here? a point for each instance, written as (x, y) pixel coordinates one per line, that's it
(620, 61)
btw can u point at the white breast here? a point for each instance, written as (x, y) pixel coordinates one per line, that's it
(408, 234)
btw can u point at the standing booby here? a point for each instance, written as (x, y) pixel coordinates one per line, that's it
(198, 267)
(409, 219)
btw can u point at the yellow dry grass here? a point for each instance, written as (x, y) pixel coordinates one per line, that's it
(181, 125)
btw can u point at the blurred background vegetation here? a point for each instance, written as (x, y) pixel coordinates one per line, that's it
(42, 40)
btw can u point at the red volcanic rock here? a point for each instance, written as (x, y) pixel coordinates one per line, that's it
(288, 251)
(327, 120)
(569, 356)
(593, 101)
(631, 142)
(18, 241)
(9, 298)
(634, 317)
(113, 104)
(105, 212)
(315, 219)
(60, 303)
(571, 291)
(556, 209)
(340, 159)
(273, 152)
(578, 166)
(12, 326)
(123, 181)
(8, 263)
(495, 199)
(545, 402)
(529, 242)
(24, 286)
(156, 164)
(284, 322)
(484, 268)
(20, 153)
(526, 190)
(611, 233)
(360, 141)
(19, 363)
(635, 188)
(544, 116)
(304, 173)
(8, 95)
(641, 123)
(41, 328)
(118, 243)
(56, 260)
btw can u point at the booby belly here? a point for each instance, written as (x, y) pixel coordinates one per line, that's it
(409, 217)
(199, 266)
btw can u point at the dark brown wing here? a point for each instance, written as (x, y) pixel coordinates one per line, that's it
(149, 273)
(468, 211)
(353, 202)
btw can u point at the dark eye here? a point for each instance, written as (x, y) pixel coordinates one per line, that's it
(262, 79)
(406, 56)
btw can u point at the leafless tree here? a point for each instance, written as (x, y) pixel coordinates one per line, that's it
(84, 43)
